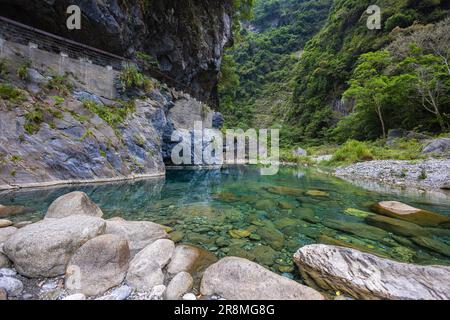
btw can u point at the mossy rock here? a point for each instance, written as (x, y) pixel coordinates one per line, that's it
(264, 255)
(238, 234)
(357, 213)
(317, 193)
(398, 210)
(272, 236)
(285, 222)
(399, 227)
(280, 190)
(403, 254)
(265, 204)
(359, 229)
(286, 205)
(226, 196)
(176, 236)
(306, 214)
(433, 245)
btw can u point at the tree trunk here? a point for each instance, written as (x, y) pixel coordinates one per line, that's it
(382, 121)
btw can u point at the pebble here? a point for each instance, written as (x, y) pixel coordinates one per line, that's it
(157, 293)
(12, 286)
(121, 293)
(189, 296)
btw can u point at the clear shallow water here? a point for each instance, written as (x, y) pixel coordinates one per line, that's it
(237, 212)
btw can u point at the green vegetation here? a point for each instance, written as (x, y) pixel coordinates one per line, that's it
(112, 115)
(34, 119)
(352, 151)
(131, 77)
(22, 70)
(11, 93)
(3, 68)
(257, 73)
(61, 84)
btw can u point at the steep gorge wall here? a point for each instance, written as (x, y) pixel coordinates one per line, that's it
(187, 37)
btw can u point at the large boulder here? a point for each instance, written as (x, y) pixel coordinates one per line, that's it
(44, 249)
(398, 210)
(145, 270)
(98, 265)
(74, 203)
(239, 279)
(440, 146)
(191, 259)
(138, 233)
(366, 276)
(6, 233)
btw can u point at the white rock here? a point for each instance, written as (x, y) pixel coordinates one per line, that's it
(76, 296)
(189, 296)
(160, 251)
(179, 285)
(365, 276)
(6, 233)
(74, 203)
(144, 274)
(157, 293)
(13, 286)
(6, 272)
(240, 279)
(44, 249)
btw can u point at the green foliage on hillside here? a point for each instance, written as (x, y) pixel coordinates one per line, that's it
(334, 61)
(257, 73)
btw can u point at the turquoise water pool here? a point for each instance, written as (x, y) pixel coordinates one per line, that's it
(236, 211)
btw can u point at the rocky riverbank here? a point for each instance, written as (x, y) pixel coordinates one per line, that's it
(428, 175)
(53, 259)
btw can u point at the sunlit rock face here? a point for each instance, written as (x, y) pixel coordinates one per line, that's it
(187, 37)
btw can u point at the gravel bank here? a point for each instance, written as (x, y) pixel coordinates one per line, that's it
(430, 174)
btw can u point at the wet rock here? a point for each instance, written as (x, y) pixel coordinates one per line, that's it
(4, 261)
(6, 233)
(265, 204)
(177, 236)
(138, 233)
(6, 211)
(179, 285)
(74, 203)
(357, 213)
(433, 245)
(317, 193)
(145, 270)
(365, 276)
(12, 286)
(398, 210)
(359, 229)
(396, 226)
(239, 279)
(99, 264)
(280, 190)
(238, 234)
(157, 293)
(265, 255)
(190, 259)
(50, 244)
(119, 294)
(5, 223)
(272, 236)
(306, 214)
(75, 297)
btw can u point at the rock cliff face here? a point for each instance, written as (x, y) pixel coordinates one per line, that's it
(187, 37)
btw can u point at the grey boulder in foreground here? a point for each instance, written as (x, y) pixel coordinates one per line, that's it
(365, 276)
(239, 279)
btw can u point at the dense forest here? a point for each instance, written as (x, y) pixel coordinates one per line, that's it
(315, 70)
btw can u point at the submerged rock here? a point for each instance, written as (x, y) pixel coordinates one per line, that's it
(98, 265)
(433, 245)
(6, 211)
(44, 249)
(74, 203)
(5, 223)
(396, 226)
(317, 193)
(138, 233)
(398, 210)
(323, 239)
(359, 229)
(239, 279)
(357, 213)
(281, 190)
(365, 276)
